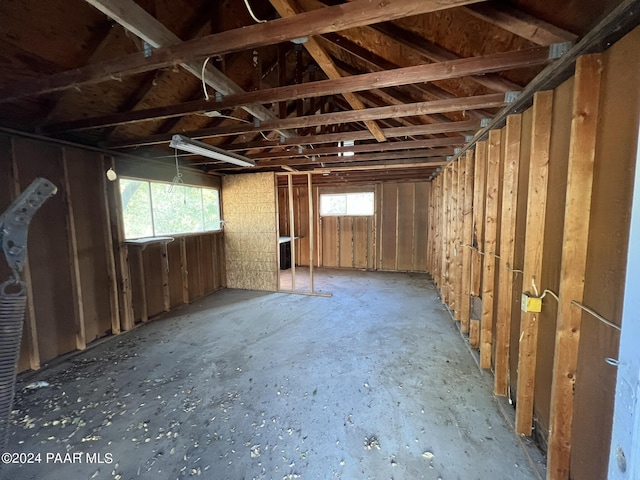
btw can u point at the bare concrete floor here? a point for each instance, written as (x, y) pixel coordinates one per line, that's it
(373, 383)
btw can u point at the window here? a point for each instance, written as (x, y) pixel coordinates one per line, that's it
(153, 209)
(347, 204)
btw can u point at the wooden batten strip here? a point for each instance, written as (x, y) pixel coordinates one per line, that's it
(122, 256)
(30, 325)
(446, 251)
(144, 311)
(479, 186)
(491, 233)
(184, 270)
(465, 304)
(582, 148)
(453, 237)
(533, 255)
(513, 131)
(108, 241)
(460, 164)
(166, 293)
(474, 333)
(76, 283)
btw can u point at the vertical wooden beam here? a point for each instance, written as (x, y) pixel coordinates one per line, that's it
(166, 293)
(533, 254)
(465, 305)
(491, 232)
(144, 311)
(292, 232)
(582, 148)
(446, 234)
(311, 230)
(76, 283)
(108, 241)
(121, 257)
(479, 184)
(513, 131)
(30, 325)
(184, 270)
(453, 237)
(459, 248)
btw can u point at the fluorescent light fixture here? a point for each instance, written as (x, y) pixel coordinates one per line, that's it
(200, 148)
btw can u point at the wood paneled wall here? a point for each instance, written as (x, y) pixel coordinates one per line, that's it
(393, 239)
(83, 283)
(550, 197)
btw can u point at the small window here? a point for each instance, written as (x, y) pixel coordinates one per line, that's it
(152, 209)
(347, 204)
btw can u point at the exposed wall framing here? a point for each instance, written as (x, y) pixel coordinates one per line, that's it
(82, 279)
(557, 189)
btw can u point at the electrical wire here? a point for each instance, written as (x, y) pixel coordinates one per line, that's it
(596, 315)
(177, 179)
(204, 84)
(246, 2)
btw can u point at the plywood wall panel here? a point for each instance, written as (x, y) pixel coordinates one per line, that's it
(421, 226)
(389, 223)
(361, 241)
(330, 242)
(345, 255)
(251, 231)
(49, 251)
(175, 274)
(193, 268)
(406, 226)
(153, 264)
(6, 197)
(92, 250)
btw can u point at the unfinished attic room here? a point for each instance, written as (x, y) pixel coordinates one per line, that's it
(320, 239)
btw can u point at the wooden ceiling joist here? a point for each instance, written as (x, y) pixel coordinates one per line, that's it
(370, 147)
(285, 9)
(137, 21)
(390, 78)
(493, 100)
(330, 19)
(436, 53)
(520, 23)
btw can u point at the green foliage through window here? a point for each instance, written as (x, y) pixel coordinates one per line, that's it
(155, 209)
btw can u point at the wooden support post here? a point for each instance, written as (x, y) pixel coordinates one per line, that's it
(511, 169)
(166, 293)
(311, 231)
(491, 232)
(446, 233)
(76, 283)
(459, 247)
(121, 256)
(533, 254)
(465, 304)
(453, 238)
(184, 270)
(108, 241)
(479, 184)
(144, 312)
(292, 231)
(574, 258)
(30, 326)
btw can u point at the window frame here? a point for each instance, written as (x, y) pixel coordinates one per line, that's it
(333, 192)
(154, 234)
